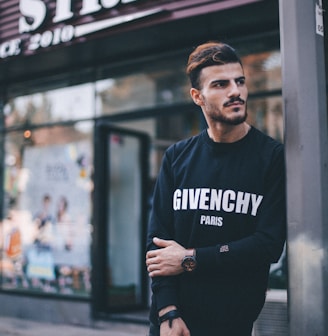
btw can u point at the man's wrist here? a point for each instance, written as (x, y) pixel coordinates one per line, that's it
(166, 309)
(191, 252)
(169, 316)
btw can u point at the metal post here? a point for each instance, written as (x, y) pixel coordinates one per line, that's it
(306, 140)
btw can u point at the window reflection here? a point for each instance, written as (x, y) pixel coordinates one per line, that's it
(262, 71)
(125, 94)
(46, 229)
(266, 115)
(69, 103)
(142, 90)
(124, 223)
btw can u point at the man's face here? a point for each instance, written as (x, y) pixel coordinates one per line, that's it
(223, 94)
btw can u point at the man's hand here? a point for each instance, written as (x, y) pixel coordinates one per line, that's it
(178, 328)
(166, 260)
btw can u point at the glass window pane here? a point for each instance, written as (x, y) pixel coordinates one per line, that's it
(266, 114)
(46, 228)
(263, 71)
(165, 130)
(160, 86)
(69, 103)
(147, 125)
(124, 220)
(124, 94)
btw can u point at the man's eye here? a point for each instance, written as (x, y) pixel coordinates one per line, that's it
(221, 83)
(241, 81)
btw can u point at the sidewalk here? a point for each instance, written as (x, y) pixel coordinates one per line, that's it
(20, 327)
(272, 321)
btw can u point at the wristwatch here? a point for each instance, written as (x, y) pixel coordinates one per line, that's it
(189, 262)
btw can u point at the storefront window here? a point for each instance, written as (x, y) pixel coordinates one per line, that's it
(165, 85)
(46, 230)
(69, 103)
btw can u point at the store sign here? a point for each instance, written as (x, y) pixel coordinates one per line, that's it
(37, 11)
(319, 18)
(34, 13)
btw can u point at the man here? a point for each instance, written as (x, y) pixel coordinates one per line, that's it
(218, 217)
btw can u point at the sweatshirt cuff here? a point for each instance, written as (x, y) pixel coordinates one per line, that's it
(167, 296)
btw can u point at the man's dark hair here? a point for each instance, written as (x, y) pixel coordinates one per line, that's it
(209, 54)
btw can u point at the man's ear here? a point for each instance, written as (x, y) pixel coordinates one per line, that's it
(196, 96)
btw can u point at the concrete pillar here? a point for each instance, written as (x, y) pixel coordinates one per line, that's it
(306, 139)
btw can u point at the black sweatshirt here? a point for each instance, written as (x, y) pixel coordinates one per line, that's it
(227, 200)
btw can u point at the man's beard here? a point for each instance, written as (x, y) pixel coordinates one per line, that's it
(216, 115)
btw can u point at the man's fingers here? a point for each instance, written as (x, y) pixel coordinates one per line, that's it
(152, 260)
(151, 254)
(157, 272)
(153, 270)
(154, 273)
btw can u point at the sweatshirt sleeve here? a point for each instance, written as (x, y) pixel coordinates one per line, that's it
(265, 245)
(161, 226)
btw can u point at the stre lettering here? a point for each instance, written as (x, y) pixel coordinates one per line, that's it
(34, 12)
(10, 48)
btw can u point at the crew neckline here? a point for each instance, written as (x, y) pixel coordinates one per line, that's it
(225, 145)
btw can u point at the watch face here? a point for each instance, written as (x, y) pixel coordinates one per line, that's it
(189, 263)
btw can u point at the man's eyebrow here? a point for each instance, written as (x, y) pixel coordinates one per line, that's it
(222, 81)
(219, 81)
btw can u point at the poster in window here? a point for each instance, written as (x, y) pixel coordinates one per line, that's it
(56, 195)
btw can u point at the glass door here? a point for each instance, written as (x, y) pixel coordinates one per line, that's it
(120, 218)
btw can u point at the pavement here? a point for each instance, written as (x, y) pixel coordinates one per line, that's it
(10, 326)
(272, 321)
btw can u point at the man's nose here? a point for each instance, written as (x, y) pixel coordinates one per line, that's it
(234, 89)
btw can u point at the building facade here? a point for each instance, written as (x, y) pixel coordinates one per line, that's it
(92, 92)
